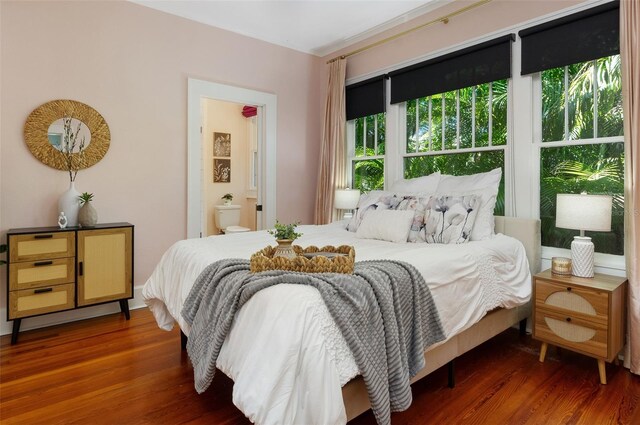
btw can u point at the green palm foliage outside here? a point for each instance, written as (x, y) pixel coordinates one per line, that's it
(474, 131)
(368, 173)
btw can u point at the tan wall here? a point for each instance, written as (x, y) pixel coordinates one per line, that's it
(226, 117)
(131, 63)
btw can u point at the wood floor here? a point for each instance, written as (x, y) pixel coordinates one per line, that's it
(110, 371)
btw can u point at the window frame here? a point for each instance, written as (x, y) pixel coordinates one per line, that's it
(351, 147)
(605, 261)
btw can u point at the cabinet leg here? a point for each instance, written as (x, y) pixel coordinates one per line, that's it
(602, 371)
(124, 307)
(543, 351)
(16, 330)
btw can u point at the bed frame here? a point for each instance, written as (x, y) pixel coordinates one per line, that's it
(354, 393)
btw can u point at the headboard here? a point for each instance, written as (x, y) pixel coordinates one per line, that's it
(527, 231)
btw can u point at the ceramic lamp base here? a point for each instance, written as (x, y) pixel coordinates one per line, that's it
(582, 250)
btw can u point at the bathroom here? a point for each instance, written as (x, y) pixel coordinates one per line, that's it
(229, 141)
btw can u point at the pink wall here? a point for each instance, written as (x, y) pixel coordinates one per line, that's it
(475, 23)
(131, 63)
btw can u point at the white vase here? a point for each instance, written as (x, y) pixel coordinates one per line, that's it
(70, 205)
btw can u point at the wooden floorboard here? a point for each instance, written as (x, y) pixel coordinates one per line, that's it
(112, 371)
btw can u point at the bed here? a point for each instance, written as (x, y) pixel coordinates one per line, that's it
(287, 359)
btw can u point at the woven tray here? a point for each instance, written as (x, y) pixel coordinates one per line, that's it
(263, 260)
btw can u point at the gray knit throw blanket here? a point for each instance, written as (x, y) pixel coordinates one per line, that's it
(384, 310)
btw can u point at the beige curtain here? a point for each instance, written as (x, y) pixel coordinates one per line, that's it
(332, 173)
(629, 45)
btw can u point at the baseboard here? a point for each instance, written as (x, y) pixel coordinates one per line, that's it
(70, 316)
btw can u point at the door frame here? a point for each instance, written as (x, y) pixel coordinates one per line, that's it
(266, 196)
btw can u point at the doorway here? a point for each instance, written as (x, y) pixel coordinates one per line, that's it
(266, 103)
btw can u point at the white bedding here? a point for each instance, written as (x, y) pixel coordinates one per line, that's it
(285, 354)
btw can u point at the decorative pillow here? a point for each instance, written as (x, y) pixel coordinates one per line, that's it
(427, 184)
(366, 200)
(448, 219)
(387, 225)
(379, 200)
(486, 186)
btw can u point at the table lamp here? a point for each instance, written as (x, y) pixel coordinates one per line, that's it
(583, 212)
(347, 200)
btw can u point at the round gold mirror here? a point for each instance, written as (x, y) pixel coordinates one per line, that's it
(66, 130)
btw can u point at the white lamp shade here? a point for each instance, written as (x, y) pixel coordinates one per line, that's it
(584, 212)
(346, 199)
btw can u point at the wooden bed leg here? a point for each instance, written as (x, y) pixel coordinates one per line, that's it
(183, 341)
(452, 374)
(523, 327)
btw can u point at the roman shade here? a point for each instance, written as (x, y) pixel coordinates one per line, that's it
(580, 37)
(366, 98)
(482, 63)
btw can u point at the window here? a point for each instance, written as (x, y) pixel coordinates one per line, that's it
(582, 145)
(458, 132)
(366, 151)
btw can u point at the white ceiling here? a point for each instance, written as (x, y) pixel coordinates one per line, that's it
(319, 27)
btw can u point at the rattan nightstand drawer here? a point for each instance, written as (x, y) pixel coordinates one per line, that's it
(573, 331)
(571, 298)
(42, 246)
(37, 274)
(31, 302)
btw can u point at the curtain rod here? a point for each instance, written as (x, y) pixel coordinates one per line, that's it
(444, 19)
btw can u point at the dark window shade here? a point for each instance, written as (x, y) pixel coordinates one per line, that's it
(366, 98)
(482, 63)
(583, 36)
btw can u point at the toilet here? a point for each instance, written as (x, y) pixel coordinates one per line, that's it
(227, 219)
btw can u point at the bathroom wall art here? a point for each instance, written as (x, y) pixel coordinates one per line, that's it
(221, 170)
(222, 145)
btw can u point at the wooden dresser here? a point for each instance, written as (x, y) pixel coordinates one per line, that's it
(585, 315)
(52, 269)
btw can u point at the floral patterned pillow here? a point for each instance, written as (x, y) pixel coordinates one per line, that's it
(444, 219)
(378, 200)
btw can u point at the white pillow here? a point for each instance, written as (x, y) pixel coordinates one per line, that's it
(386, 225)
(419, 184)
(485, 185)
(490, 179)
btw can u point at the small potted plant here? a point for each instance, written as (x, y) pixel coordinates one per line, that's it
(227, 197)
(285, 234)
(87, 216)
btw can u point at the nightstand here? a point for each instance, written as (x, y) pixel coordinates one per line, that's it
(585, 315)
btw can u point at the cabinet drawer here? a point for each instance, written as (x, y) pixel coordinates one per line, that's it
(590, 302)
(30, 302)
(576, 334)
(36, 274)
(42, 246)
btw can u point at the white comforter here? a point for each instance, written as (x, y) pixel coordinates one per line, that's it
(285, 354)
